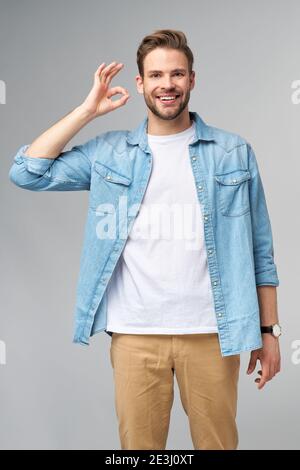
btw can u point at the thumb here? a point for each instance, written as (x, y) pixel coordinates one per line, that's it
(252, 364)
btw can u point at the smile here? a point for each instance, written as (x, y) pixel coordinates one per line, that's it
(168, 99)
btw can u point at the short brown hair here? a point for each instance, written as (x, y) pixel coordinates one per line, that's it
(168, 38)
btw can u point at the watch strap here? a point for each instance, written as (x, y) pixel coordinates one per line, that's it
(266, 329)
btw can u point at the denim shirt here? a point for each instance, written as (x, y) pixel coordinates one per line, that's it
(115, 168)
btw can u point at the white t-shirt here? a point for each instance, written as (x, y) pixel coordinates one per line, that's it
(161, 283)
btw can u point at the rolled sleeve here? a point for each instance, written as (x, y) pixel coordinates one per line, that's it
(69, 171)
(38, 166)
(263, 250)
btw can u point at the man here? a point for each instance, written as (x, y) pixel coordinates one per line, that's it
(177, 263)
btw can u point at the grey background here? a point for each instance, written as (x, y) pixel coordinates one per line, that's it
(58, 395)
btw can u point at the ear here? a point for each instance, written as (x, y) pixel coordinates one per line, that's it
(139, 84)
(192, 79)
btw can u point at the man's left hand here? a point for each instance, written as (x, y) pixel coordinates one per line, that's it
(269, 356)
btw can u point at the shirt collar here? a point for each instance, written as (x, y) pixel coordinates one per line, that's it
(139, 135)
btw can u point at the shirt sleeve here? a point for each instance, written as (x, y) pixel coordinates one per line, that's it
(263, 250)
(70, 171)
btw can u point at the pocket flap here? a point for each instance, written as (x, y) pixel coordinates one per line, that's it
(234, 177)
(111, 175)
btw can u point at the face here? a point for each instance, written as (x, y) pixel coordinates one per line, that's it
(166, 74)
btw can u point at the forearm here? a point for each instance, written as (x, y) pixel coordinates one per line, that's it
(267, 298)
(51, 142)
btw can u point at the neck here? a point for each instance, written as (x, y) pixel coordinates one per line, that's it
(158, 126)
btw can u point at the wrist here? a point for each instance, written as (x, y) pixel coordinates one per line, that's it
(84, 113)
(273, 329)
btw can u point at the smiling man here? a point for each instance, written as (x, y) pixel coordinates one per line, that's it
(168, 101)
(184, 280)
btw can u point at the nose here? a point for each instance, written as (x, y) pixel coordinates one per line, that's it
(167, 83)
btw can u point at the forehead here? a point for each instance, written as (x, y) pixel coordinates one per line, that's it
(165, 59)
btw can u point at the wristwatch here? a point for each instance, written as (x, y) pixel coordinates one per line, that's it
(275, 330)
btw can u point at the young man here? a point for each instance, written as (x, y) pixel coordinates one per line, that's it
(177, 263)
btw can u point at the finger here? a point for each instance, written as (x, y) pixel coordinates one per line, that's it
(102, 69)
(117, 90)
(114, 72)
(105, 75)
(120, 102)
(101, 66)
(264, 377)
(109, 76)
(261, 382)
(99, 70)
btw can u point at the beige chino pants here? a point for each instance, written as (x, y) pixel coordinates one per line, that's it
(144, 367)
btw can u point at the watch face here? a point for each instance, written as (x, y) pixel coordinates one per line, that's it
(276, 330)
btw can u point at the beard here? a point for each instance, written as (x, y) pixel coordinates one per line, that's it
(172, 112)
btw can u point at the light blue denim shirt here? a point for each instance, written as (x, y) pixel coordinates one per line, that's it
(115, 168)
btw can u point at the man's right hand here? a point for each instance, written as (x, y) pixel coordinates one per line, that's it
(51, 143)
(98, 101)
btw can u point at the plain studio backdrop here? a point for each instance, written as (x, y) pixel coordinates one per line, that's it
(58, 395)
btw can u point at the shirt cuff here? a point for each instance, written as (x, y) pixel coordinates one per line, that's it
(36, 165)
(267, 278)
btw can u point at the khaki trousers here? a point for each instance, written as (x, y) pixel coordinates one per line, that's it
(144, 368)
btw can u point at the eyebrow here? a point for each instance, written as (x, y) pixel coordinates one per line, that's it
(160, 71)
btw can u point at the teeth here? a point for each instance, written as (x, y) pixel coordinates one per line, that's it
(167, 98)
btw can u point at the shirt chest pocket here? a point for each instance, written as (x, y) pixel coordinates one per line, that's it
(233, 192)
(107, 185)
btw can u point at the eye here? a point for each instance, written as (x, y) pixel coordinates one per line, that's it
(157, 74)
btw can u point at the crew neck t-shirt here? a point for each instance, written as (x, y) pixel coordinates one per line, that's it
(161, 283)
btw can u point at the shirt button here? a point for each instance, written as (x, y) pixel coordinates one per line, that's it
(215, 283)
(219, 314)
(205, 217)
(194, 158)
(108, 177)
(200, 187)
(234, 181)
(210, 252)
